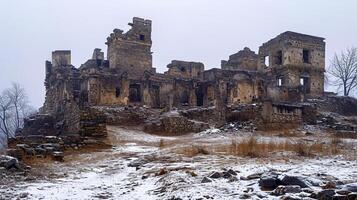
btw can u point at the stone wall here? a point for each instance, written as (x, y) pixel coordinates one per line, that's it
(172, 123)
(296, 61)
(280, 116)
(131, 51)
(183, 69)
(243, 60)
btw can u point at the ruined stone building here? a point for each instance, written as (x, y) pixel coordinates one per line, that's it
(287, 70)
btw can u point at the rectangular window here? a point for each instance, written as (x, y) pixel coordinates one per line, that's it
(302, 81)
(117, 92)
(279, 58)
(266, 61)
(142, 37)
(306, 56)
(280, 82)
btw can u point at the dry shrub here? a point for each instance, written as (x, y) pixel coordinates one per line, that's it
(335, 142)
(248, 147)
(302, 149)
(252, 148)
(161, 143)
(195, 150)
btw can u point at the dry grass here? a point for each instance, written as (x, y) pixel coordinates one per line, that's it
(335, 143)
(251, 147)
(161, 144)
(194, 150)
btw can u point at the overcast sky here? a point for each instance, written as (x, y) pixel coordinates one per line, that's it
(193, 30)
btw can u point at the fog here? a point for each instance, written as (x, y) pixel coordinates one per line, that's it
(193, 30)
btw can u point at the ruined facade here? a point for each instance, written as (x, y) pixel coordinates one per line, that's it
(287, 70)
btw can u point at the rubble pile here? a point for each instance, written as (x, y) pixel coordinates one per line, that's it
(200, 114)
(27, 147)
(43, 137)
(343, 126)
(243, 112)
(11, 163)
(246, 126)
(346, 106)
(40, 124)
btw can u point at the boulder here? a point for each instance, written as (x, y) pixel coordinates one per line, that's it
(206, 180)
(352, 187)
(232, 172)
(282, 189)
(329, 185)
(58, 156)
(352, 196)
(216, 175)
(325, 194)
(339, 197)
(254, 176)
(343, 192)
(290, 198)
(232, 179)
(294, 180)
(269, 181)
(8, 162)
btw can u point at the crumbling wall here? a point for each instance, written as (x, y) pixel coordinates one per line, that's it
(61, 58)
(131, 51)
(280, 116)
(242, 60)
(183, 69)
(62, 95)
(172, 123)
(92, 123)
(296, 61)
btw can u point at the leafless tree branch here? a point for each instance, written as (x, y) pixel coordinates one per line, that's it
(343, 70)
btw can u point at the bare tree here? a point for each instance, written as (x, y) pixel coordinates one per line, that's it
(5, 107)
(14, 108)
(20, 103)
(343, 69)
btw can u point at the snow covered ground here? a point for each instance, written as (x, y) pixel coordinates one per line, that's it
(139, 167)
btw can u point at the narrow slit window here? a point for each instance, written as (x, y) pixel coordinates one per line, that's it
(306, 56)
(279, 58)
(280, 82)
(266, 61)
(117, 92)
(302, 81)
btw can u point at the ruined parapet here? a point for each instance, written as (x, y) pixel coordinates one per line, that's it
(243, 60)
(98, 54)
(131, 51)
(184, 69)
(61, 58)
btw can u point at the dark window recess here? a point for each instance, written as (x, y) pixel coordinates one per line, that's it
(142, 37)
(117, 92)
(134, 93)
(199, 96)
(184, 99)
(306, 56)
(279, 58)
(182, 69)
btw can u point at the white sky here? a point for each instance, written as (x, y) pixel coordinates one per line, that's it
(194, 30)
